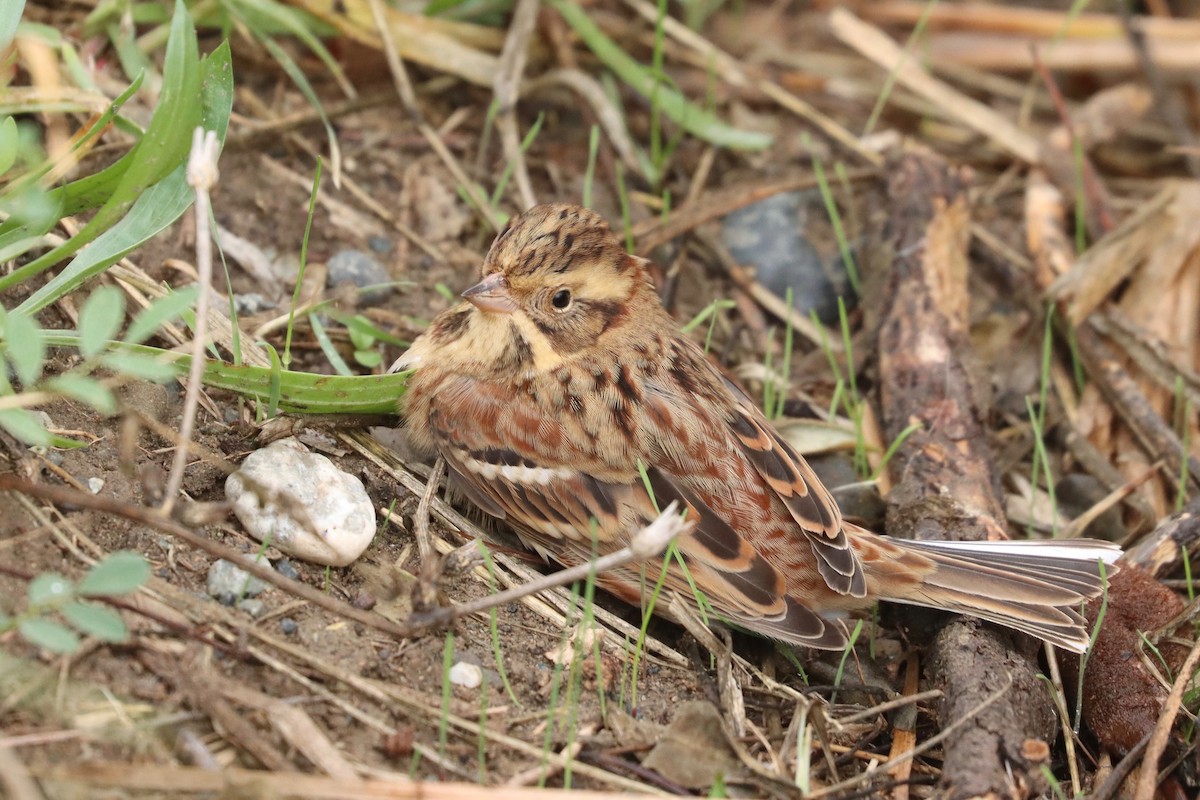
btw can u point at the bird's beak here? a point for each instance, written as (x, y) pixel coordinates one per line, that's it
(491, 294)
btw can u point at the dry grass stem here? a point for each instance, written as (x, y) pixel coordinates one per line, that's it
(202, 177)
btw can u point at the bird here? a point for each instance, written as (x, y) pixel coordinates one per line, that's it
(566, 401)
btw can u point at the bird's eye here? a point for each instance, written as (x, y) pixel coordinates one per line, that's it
(561, 299)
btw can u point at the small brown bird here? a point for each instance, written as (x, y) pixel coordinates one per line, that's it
(562, 379)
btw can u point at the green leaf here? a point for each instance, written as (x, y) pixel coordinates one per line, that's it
(99, 621)
(360, 338)
(165, 309)
(357, 323)
(304, 393)
(133, 61)
(10, 16)
(90, 191)
(298, 392)
(120, 573)
(50, 589)
(49, 635)
(156, 207)
(689, 116)
(8, 143)
(368, 358)
(100, 319)
(162, 149)
(294, 72)
(17, 245)
(86, 390)
(139, 365)
(26, 426)
(23, 341)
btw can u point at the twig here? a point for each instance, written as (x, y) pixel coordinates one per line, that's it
(202, 177)
(1060, 706)
(236, 781)
(15, 778)
(591, 92)
(154, 519)
(889, 705)
(904, 730)
(655, 232)
(1116, 778)
(891, 763)
(1148, 779)
(424, 593)
(1167, 100)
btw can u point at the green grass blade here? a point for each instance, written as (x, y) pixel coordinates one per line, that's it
(156, 207)
(689, 116)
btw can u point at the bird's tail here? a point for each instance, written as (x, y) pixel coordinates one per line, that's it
(1037, 587)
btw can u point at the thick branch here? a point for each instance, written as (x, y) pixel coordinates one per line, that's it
(945, 485)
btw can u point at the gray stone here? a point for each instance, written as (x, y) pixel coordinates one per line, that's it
(361, 269)
(771, 236)
(227, 579)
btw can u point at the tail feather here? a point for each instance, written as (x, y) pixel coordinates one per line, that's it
(1036, 587)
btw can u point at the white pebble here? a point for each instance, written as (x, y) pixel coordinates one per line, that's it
(464, 674)
(337, 505)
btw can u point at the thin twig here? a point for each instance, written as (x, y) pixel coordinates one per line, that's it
(889, 705)
(1060, 706)
(15, 778)
(1148, 778)
(647, 543)
(424, 593)
(888, 765)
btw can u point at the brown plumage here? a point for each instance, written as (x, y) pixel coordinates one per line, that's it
(562, 373)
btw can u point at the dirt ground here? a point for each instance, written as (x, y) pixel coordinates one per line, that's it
(298, 689)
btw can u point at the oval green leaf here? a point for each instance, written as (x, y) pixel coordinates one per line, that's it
(50, 588)
(99, 621)
(25, 425)
(120, 573)
(137, 365)
(100, 319)
(85, 389)
(163, 310)
(49, 635)
(22, 338)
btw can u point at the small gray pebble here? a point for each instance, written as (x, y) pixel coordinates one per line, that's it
(250, 303)
(226, 578)
(288, 626)
(361, 269)
(379, 244)
(287, 569)
(254, 607)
